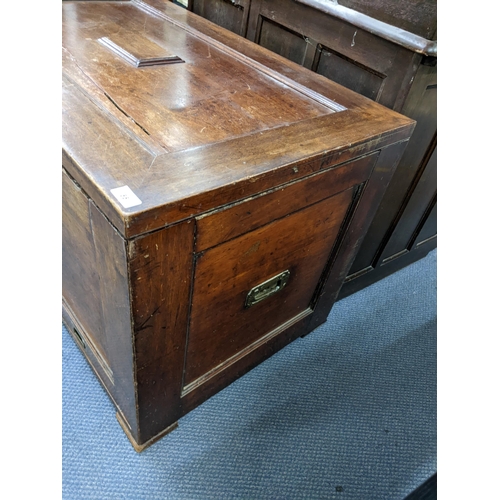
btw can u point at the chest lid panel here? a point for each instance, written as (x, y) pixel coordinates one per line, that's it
(227, 120)
(208, 96)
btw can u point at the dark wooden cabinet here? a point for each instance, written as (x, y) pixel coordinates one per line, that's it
(232, 14)
(415, 16)
(351, 43)
(405, 226)
(214, 198)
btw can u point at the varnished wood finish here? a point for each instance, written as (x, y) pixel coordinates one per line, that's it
(255, 212)
(351, 43)
(81, 288)
(141, 447)
(221, 326)
(163, 90)
(95, 295)
(156, 290)
(139, 52)
(160, 281)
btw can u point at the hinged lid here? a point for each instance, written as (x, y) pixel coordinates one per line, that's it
(154, 143)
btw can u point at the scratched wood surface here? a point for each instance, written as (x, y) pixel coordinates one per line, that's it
(257, 211)
(96, 297)
(239, 165)
(160, 274)
(181, 135)
(207, 98)
(221, 326)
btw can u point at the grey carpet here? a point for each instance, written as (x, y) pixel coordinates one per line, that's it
(348, 412)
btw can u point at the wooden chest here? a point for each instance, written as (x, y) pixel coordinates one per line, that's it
(214, 197)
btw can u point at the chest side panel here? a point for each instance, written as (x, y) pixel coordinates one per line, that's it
(96, 302)
(80, 277)
(239, 301)
(221, 325)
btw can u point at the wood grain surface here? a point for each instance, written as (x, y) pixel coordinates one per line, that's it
(180, 136)
(186, 185)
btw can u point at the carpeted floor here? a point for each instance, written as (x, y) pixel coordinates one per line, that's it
(348, 412)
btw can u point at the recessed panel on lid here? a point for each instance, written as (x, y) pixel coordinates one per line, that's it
(212, 96)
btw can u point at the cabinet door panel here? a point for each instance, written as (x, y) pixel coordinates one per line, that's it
(284, 42)
(349, 74)
(421, 106)
(413, 217)
(230, 14)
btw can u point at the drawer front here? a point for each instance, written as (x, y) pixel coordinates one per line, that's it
(223, 326)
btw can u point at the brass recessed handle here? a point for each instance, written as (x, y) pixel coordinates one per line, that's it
(267, 288)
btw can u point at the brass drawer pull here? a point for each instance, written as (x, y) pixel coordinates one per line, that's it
(267, 288)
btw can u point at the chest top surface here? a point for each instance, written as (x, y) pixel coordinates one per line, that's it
(205, 95)
(185, 116)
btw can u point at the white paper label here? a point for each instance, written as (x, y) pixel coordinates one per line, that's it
(126, 197)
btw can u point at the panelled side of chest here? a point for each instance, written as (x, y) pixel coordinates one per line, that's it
(194, 329)
(208, 302)
(95, 292)
(125, 302)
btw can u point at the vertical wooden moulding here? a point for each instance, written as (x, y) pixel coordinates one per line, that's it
(160, 266)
